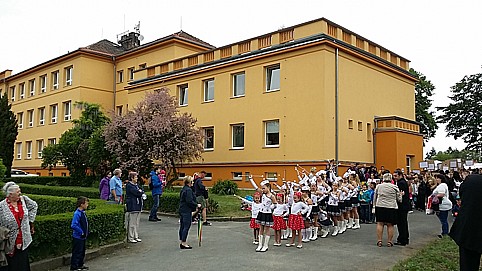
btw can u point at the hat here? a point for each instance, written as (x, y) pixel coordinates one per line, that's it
(163, 172)
(265, 182)
(305, 188)
(298, 194)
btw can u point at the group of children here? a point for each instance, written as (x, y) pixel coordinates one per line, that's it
(308, 208)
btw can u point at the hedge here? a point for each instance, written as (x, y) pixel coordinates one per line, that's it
(53, 235)
(61, 191)
(50, 205)
(87, 181)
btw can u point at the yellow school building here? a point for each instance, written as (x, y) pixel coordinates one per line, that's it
(297, 96)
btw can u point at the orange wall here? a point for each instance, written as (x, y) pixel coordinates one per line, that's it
(392, 147)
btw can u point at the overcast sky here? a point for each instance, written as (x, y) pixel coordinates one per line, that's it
(442, 39)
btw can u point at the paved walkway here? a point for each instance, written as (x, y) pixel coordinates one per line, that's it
(227, 246)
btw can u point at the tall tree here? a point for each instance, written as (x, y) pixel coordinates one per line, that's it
(463, 116)
(81, 148)
(154, 130)
(431, 154)
(423, 92)
(8, 133)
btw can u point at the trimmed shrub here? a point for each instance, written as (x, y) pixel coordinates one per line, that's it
(168, 202)
(61, 191)
(226, 187)
(88, 181)
(50, 205)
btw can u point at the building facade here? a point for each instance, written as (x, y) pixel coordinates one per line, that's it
(297, 96)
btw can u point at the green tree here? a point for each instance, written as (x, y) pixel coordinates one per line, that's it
(8, 133)
(3, 169)
(423, 92)
(431, 154)
(81, 148)
(463, 116)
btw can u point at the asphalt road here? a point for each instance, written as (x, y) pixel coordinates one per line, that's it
(228, 246)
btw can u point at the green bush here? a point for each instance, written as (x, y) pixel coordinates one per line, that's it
(168, 202)
(213, 206)
(61, 191)
(226, 187)
(3, 170)
(88, 181)
(53, 235)
(50, 205)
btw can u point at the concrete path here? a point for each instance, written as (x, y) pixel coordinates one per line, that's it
(228, 246)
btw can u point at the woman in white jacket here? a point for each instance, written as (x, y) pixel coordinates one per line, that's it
(445, 205)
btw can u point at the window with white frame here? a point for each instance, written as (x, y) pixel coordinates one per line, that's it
(19, 150)
(67, 110)
(22, 90)
(118, 110)
(54, 113)
(208, 176)
(237, 176)
(209, 90)
(273, 78)
(30, 118)
(130, 71)
(55, 80)
(20, 120)
(237, 131)
(43, 83)
(120, 76)
(52, 141)
(271, 176)
(271, 133)
(239, 84)
(12, 93)
(40, 147)
(68, 75)
(208, 138)
(28, 147)
(31, 87)
(41, 116)
(183, 94)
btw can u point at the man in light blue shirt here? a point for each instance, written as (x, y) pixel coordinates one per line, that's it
(115, 186)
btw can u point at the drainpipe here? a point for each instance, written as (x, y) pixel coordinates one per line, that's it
(336, 111)
(375, 142)
(114, 85)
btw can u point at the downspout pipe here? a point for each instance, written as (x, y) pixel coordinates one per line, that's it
(114, 85)
(336, 113)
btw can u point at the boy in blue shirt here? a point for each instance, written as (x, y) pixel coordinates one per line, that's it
(80, 231)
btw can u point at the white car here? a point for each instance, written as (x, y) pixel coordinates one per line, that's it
(21, 173)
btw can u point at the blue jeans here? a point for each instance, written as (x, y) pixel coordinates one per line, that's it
(185, 225)
(442, 216)
(153, 214)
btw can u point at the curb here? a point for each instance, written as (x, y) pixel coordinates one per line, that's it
(214, 218)
(53, 263)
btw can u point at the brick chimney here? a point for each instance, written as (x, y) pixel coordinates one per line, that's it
(130, 41)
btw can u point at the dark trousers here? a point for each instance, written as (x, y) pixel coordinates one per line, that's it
(155, 205)
(19, 261)
(402, 227)
(78, 253)
(185, 225)
(469, 260)
(365, 212)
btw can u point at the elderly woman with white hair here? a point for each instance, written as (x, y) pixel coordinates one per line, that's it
(385, 207)
(17, 214)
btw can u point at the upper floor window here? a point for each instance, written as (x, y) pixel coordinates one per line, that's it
(53, 113)
(52, 141)
(143, 66)
(12, 93)
(238, 135)
(67, 110)
(43, 83)
(118, 110)
(120, 76)
(30, 118)
(28, 146)
(68, 75)
(22, 90)
(19, 150)
(41, 116)
(273, 78)
(208, 138)
(182, 96)
(209, 90)
(40, 148)
(55, 80)
(20, 120)
(130, 71)
(238, 84)
(31, 87)
(272, 133)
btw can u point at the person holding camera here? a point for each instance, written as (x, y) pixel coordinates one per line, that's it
(202, 196)
(187, 205)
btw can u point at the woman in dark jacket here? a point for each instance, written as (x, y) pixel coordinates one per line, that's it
(187, 205)
(134, 200)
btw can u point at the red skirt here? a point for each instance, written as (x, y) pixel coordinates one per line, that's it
(253, 224)
(295, 222)
(279, 223)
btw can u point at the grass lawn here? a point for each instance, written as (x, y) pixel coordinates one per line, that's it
(230, 206)
(442, 254)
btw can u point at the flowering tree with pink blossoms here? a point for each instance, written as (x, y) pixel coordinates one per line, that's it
(154, 131)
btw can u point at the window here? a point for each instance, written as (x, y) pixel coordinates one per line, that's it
(238, 136)
(20, 120)
(272, 133)
(118, 110)
(271, 176)
(143, 66)
(19, 150)
(208, 138)
(237, 176)
(350, 124)
(52, 141)
(55, 80)
(31, 87)
(181, 175)
(43, 83)
(131, 73)
(40, 148)
(360, 126)
(53, 113)
(30, 118)
(67, 110)
(369, 132)
(183, 95)
(12, 93)
(41, 116)
(208, 176)
(68, 75)
(22, 90)
(63, 174)
(28, 146)
(238, 85)
(246, 176)
(120, 76)
(408, 165)
(273, 78)
(209, 90)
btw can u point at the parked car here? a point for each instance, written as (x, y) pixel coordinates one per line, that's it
(21, 173)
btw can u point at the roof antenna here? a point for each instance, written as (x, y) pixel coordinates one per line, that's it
(181, 23)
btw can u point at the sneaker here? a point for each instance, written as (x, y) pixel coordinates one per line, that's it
(133, 241)
(255, 242)
(138, 239)
(440, 236)
(158, 219)
(410, 212)
(207, 223)
(153, 219)
(84, 268)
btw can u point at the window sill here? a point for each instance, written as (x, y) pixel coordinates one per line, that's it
(272, 90)
(183, 105)
(206, 102)
(271, 146)
(209, 150)
(236, 148)
(239, 96)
